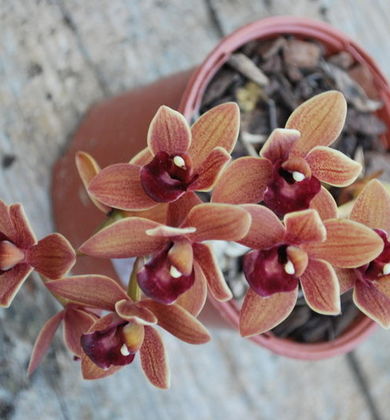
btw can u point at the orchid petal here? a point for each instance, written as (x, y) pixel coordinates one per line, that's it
(266, 229)
(325, 204)
(119, 186)
(261, 314)
(194, 299)
(217, 127)
(92, 371)
(348, 244)
(372, 207)
(24, 236)
(210, 169)
(52, 256)
(94, 291)
(11, 281)
(217, 221)
(372, 303)
(347, 278)
(332, 166)
(157, 214)
(6, 225)
(154, 360)
(204, 256)
(43, 341)
(297, 164)
(304, 226)
(168, 132)
(178, 322)
(181, 256)
(76, 323)
(243, 181)
(321, 288)
(142, 158)
(132, 312)
(178, 210)
(123, 239)
(279, 143)
(88, 168)
(320, 121)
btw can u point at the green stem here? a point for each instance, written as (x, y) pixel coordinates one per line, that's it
(133, 290)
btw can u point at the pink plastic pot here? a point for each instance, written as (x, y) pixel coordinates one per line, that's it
(116, 129)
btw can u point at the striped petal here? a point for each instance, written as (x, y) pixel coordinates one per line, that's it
(44, 340)
(333, 167)
(217, 127)
(325, 204)
(119, 186)
(204, 256)
(321, 288)
(178, 322)
(261, 314)
(168, 132)
(210, 169)
(265, 231)
(76, 323)
(372, 207)
(279, 143)
(319, 120)
(194, 299)
(244, 181)
(123, 239)
(372, 303)
(52, 256)
(91, 371)
(93, 291)
(303, 227)
(11, 281)
(383, 285)
(348, 244)
(347, 278)
(88, 168)
(154, 360)
(217, 221)
(23, 235)
(179, 209)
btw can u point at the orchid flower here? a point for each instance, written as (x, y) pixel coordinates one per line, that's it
(76, 321)
(178, 258)
(302, 250)
(178, 159)
(293, 160)
(371, 281)
(20, 253)
(112, 341)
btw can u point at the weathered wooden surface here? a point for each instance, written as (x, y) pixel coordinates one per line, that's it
(56, 59)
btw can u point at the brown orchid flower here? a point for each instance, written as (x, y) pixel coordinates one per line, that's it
(293, 160)
(178, 258)
(371, 281)
(20, 253)
(301, 251)
(178, 159)
(112, 341)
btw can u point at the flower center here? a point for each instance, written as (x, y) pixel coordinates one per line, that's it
(269, 271)
(10, 255)
(167, 177)
(162, 281)
(290, 191)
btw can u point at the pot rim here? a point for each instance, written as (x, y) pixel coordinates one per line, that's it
(334, 40)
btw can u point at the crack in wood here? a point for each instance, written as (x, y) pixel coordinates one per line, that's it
(215, 19)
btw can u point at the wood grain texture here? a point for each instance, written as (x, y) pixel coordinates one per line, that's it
(56, 59)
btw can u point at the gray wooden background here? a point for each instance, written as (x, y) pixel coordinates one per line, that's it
(56, 59)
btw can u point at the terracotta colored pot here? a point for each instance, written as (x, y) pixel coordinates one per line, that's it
(115, 130)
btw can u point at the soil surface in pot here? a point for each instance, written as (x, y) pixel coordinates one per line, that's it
(269, 79)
